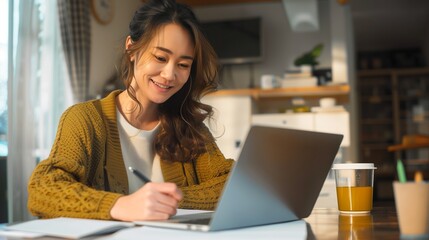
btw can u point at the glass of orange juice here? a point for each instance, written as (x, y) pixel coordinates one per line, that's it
(354, 182)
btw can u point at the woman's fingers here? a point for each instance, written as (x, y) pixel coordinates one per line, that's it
(170, 189)
(166, 190)
(154, 201)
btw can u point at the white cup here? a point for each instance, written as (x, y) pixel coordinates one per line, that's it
(268, 81)
(327, 102)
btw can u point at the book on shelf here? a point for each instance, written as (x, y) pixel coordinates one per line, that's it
(299, 82)
(298, 78)
(297, 75)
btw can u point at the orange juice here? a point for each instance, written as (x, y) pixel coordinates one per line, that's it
(355, 199)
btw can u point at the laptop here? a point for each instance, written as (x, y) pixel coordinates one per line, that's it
(277, 178)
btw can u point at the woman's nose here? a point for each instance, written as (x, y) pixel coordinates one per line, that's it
(169, 72)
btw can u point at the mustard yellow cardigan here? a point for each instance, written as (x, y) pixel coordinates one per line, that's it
(85, 173)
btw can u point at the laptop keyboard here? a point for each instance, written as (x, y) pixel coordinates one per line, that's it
(196, 219)
(200, 221)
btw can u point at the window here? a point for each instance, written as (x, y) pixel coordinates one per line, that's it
(37, 94)
(3, 75)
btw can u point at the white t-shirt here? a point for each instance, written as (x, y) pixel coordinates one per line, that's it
(138, 152)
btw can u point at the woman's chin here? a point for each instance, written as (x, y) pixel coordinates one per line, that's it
(159, 100)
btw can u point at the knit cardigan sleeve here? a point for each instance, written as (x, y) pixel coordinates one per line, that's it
(206, 178)
(59, 186)
(213, 172)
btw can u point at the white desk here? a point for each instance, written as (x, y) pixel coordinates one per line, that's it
(291, 230)
(76, 228)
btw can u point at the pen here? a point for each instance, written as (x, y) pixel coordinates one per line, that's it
(401, 171)
(139, 175)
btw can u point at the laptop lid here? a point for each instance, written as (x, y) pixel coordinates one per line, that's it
(277, 178)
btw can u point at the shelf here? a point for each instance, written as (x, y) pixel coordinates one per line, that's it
(390, 72)
(413, 97)
(367, 141)
(384, 121)
(257, 93)
(373, 82)
(376, 99)
(410, 121)
(378, 146)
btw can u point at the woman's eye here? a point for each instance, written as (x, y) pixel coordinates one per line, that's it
(184, 65)
(160, 58)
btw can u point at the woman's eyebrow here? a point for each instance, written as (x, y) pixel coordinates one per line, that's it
(170, 52)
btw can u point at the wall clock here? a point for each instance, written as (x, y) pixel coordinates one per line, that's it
(103, 10)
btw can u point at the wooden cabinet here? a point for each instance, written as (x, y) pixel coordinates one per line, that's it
(376, 122)
(392, 103)
(411, 102)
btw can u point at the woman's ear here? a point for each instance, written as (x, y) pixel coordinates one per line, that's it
(128, 43)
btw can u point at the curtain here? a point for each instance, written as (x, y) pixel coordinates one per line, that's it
(37, 94)
(21, 110)
(75, 35)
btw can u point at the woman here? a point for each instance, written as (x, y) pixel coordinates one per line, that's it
(155, 126)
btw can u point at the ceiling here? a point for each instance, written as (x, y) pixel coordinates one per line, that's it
(390, 24)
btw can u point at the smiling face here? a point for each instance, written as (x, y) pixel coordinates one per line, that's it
(164, 67)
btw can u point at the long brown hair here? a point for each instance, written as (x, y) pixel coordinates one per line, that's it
(182, 134)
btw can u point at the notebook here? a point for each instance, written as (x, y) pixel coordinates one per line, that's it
(71, 228)
(277, 178)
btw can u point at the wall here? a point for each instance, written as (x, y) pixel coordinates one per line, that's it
(389, 24)
(281, 46)
(107, 43)
(343, 67)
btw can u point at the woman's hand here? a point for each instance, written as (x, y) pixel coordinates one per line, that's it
(153, 201)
